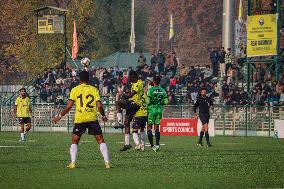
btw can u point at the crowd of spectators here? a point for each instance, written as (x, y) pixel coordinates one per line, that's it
(182, 82)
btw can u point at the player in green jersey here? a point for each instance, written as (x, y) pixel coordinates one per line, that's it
(157, 98)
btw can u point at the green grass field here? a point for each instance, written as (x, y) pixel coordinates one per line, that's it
(233, 162)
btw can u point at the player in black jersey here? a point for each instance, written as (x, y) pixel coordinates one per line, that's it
(203, 103)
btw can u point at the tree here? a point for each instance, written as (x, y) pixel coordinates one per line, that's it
(103, 27)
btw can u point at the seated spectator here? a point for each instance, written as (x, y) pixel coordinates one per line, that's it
(191, 76)
(258, 87)
(173, 83)
(183, 71)
(194, 91)
(281, 99)
(74, 83)
(207, 73)
(153, 61)
(230, 73)
(198, 72)
(279, 87)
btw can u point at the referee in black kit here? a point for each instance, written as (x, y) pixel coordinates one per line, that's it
(203, 102)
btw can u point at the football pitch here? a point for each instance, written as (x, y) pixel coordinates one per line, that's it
(232, 162)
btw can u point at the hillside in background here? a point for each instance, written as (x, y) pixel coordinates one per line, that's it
(197, 26)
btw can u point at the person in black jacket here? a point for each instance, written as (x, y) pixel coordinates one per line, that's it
(203, 103)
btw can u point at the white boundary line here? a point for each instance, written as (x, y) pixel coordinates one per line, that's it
(13, 146)
(146, 144)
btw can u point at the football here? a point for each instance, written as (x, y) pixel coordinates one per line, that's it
(85, 62)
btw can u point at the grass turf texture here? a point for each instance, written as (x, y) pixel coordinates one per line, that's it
(233, 162)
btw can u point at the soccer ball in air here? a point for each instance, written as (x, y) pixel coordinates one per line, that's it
(85, 62)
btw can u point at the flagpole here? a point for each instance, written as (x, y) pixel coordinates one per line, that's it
(158, 42)
(132, 36)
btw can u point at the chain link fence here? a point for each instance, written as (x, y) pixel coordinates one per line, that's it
(229, 120)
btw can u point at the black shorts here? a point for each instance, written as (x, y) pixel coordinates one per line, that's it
(24, 120)
(132, 108)
(93, 127)
(139, 122)
(204, 118)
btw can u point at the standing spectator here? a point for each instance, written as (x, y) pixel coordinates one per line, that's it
(153, 61)
(229, 59)
(182, 73)
(175, 63)
(160, 61)
(168, 63)
(105, 74)
(222, 62)
(214, 58)
(106, 84)
(141, 61)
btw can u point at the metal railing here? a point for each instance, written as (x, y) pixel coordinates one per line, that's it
(229, 120)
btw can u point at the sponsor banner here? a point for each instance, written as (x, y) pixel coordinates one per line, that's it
(262, 35)
(178, 127)
(279, 128)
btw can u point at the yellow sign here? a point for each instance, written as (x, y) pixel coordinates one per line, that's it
(262, 35)
(50, 24)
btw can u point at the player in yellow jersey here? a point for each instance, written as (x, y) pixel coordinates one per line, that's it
(87, 101)
(131, 103)
(22, 110)
(140, 121)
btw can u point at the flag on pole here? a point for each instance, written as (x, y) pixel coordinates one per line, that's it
(240, 17)
(75, 47)
(171, 28)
